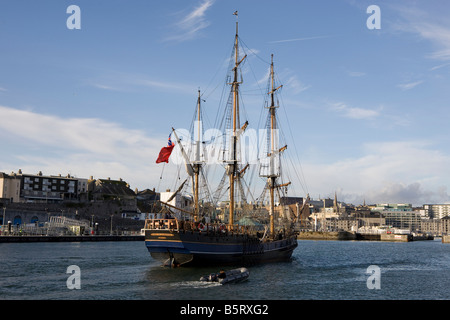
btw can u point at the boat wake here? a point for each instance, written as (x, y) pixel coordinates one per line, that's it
(195, 284)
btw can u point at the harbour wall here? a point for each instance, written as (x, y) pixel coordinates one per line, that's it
(446, 239)
(319, 235)
(100, 212)
(345, 235)
(70, 238)
(396, 237)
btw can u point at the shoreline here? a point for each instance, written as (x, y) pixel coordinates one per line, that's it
(353, 236)
(342, 236)
(9, 239)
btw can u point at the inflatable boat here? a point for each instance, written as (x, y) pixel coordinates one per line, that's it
(230, 276)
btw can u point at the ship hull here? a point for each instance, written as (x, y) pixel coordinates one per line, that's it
(194, 248)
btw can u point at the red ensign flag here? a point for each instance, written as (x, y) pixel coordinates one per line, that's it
(165, 152)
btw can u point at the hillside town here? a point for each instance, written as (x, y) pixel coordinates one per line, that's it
(38, 203)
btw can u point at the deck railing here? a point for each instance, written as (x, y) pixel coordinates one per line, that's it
(206, 228)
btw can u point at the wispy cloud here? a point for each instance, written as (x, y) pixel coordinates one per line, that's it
(124, 82)
(295, 85)
(354, 113)
(430, 23)
(287, 78)
(172, 86)
(440, 36)
(410, 85)
(356, 74)
(299, 39)
(106, 87)
(190, 25)
(440, 66)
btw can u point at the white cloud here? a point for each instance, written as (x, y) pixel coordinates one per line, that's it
(354, 113)
(191, 24)
(398, 171)
(410, 85)
(413, 193)
(80, 146)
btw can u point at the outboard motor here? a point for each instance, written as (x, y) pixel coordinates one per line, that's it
(212, 277)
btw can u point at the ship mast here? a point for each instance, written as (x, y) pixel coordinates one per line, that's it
(194, 167)
(232, 166)
(274, 152)
(197, 162)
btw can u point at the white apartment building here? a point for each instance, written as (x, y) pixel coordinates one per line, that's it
(437, 211)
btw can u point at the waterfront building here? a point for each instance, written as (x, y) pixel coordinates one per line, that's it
(403, 219)
(436, 226)
(445, 225)
(437, 211)
(34, 188)
(109, 189)
(392, 207)
(82, 190)
(177, 200)
(9, 188)
(400, 215)
(105, 189)
(431, 226)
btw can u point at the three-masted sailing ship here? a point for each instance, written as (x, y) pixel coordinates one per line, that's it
(184, 236)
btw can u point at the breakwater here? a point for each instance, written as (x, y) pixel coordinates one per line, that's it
(70, 238)
(320, 235)
(346, 235)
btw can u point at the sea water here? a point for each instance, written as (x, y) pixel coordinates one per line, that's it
(322, 270)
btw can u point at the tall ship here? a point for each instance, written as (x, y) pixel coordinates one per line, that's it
(241, 230)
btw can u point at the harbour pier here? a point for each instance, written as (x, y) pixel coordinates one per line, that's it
(347, 235)
(70, 238)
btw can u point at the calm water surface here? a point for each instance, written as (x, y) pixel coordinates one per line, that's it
(319, 270)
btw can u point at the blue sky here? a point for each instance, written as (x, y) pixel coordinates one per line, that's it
(368, 108)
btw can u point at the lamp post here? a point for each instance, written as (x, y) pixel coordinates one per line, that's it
(48, 220)
(110, 233)
(3, 221)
